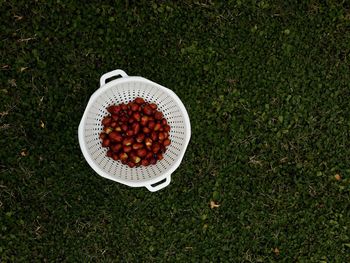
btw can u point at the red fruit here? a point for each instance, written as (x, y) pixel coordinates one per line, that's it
(144, 120)
(166, 142)
(131, 120)
(166, 128)
(137, 116)
(124, 127)
(114, 109)
(166, 135)
(103, 135)
(107, 130)
(152, 161)
(134, 107)
(141, 152)
(118, 129)
(136, 128)
(154, 136)
(130, 133)
(161, 136)
(106, 121)
(145, 162)
(116, 147)
(124, 119)
(160, 156)
(151, 124)
(131, 164)
(115, 117)
(153, 106)
(139, 101)
(150, 118)
(137, 146)
(128, 141)
(123, 156)
(106, 142)
(135, 159)
(109, 153)
(124, 106)
(146, 130)
(113, 124)
(115, 136)
(158, 115)
(127, 149)
(147, 110)
(115, 156)
(149, 155)
(129, 112)
(157, 127)
(155, 147)
(148, 142)
(140, 137)
(164, 122)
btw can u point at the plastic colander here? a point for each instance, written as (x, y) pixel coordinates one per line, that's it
(123, 90)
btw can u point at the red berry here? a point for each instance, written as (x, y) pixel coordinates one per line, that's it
(130, 133)
(136, 128)
(134, 107)
(161, 136)
(166, 142)
(145, 162)
(136, 116)
(131, 164)
(139, 101)
(109, 153)
(115, 136)
(115, 156)
(106, 121)
(116, 147)
(160, 156)
(124, 106)
(155, 147)
(166, 128)
(124, 127)
(137, 146)
(107, 130)
(135, 159)
(164, 122)
(148, 142)
(151, 124)
(154, 136)
(147, 110)
(157, 127)
(127, 149)
(106, 142)
(146, 130)
(115, 117)
(114, 109)
(153, 106)
(152, 161)
(128, 141)
(149, 155)
(158, 115)
(141, 152)
(113, 124)
(140, 137)
(144, 120)
(123, 156)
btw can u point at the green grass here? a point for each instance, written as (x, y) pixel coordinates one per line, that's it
(267, 88)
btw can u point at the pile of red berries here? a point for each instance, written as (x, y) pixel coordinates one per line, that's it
(135, 133)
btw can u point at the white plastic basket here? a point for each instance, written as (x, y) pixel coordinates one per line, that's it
(124, 89)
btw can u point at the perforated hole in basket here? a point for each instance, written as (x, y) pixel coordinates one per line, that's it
(124, 92)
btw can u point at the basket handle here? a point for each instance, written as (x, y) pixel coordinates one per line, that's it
(156, 188)
(112, 74)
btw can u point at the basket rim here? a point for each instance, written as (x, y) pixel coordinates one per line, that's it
(101, 172)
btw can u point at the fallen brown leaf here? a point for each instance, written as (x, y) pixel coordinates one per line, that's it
(213, 205)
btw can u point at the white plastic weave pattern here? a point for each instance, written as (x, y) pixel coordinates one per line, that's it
(124, 90)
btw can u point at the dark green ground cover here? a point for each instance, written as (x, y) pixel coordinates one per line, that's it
(266, 85)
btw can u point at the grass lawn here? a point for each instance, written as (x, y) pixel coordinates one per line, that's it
(267, 88)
